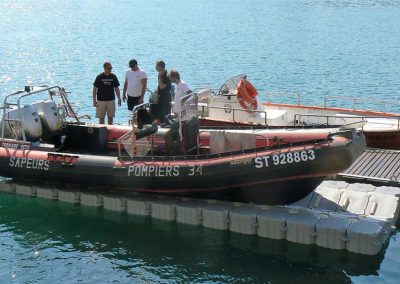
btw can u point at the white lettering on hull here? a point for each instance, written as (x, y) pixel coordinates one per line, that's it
(15, 146)
(163, 171)
(28, 163)
(284, 158)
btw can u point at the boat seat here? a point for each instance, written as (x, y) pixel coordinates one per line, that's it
(274, 117)
(91, 138)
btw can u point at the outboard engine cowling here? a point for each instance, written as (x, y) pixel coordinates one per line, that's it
(30, 121)
(48, 112)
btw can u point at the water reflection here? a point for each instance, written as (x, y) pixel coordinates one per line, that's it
(40, 233)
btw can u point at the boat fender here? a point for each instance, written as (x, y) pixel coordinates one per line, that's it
(146, 131)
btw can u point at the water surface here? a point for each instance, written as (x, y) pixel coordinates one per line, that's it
(346, 48)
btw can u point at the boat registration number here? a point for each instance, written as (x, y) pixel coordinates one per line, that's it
(284, 158)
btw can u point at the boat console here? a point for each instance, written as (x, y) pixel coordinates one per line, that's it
(227, 104)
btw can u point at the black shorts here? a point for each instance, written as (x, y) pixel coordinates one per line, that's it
(132, 102)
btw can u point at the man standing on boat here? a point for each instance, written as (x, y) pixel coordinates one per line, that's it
(181, 89)
(163, 91)
(105, 87)
(135, 84)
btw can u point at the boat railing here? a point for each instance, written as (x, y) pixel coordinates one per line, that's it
(135, 111)
(358, 119)
(134, 147)
(289, 95)
(334, 101)
(188, 110)
(340, 101)
(14, 100)
(129, 142)
(358, 101)
(204, 111)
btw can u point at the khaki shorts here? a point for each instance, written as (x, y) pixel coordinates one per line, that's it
(105, 107)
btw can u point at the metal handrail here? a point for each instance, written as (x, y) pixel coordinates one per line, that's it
(134, 112)
(362, 118)
(355, 100)
(283, 94)
(134, 127)
(234, 109)
(180, 114)
(29, 91)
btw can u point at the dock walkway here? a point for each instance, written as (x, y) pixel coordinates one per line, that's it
(379, 166)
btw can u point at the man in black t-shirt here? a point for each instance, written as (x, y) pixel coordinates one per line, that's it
(105, 87)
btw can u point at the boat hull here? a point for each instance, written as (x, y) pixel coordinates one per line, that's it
(277, 175)
(383, 139)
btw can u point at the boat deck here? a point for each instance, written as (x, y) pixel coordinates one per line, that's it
(376, 165)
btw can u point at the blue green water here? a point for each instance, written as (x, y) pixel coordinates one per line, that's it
(348, 48)
(44, 241)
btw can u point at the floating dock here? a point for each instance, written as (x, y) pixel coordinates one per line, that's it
(378, 166)
(337, 215)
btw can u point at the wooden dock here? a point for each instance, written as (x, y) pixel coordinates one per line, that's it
(376, 165)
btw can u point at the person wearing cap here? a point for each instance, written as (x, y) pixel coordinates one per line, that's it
(135, 85)
(181, 89)
(105, 87)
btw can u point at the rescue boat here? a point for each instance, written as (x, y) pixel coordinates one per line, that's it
(47, 142)
(235, 104)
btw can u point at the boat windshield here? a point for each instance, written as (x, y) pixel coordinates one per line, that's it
(230, 86)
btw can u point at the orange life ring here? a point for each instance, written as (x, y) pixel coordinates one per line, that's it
(246, 94)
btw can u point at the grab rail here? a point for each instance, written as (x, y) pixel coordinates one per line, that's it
(354, 101)
(29, 91)
(283, 94)
(134, 112)
(362, 119)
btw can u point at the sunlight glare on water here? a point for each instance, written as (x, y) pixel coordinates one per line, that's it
(315, 48)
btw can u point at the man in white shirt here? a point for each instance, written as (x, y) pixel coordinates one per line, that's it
(181, 89)
(135, 84)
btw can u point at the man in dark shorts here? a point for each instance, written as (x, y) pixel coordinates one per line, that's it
(163, 106)
(135, 85)
(105, 87)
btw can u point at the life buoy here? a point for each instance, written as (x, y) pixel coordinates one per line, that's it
(246, 94)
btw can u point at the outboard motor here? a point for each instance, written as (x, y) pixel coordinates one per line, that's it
(30, 121)
(48, 112)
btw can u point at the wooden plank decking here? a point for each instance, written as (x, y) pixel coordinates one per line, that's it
(377, 165)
